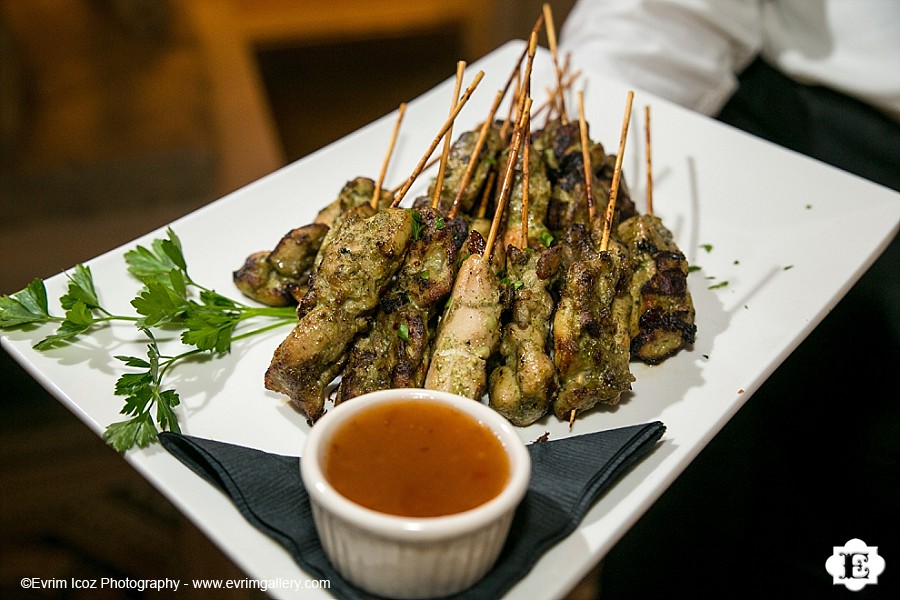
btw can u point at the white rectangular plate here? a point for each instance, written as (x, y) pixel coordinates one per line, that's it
(760, 208)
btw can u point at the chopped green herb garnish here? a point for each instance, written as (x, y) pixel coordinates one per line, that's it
(693, 268)
(403, 332)
(546, 238)
(788, 267)
(424, 274)
(515, 285)
(439, 223)
(417, 225)
(707, 247)
(716, 286)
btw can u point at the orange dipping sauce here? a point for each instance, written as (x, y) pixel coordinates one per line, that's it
(415, 459)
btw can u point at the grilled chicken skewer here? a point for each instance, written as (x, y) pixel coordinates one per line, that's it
(469, 331)
(591, 325)
(662, 314)
(356, 268)
(560, 147)
(522, 387)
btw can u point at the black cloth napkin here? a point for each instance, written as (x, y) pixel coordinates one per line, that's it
(568, 475)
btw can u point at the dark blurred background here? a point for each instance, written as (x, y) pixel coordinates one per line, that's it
(118, 116)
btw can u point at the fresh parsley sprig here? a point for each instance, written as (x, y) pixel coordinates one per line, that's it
(30, 308)
(170, 299)
(143, 392)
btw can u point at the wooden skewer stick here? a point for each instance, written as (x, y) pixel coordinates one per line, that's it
(524, 118)
(617, 173)
(507, 179)
(431, 162)
(551, 41)
(398, 197)
(649, 160)
(448, 138)
(377, 193)
(476, 152)
(520, 99)
(586, 159)
(526, 177)
(504, 129)
(525, 92)
(486, 194)
(525, 132)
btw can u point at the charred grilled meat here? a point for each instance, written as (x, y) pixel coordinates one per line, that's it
(357, 266)
(560, 146)
(394, 352)
(354, 193)
(591, 333)
(280, 277)
(662, 314)
(523, 386)
(457, 162)
(538, 200)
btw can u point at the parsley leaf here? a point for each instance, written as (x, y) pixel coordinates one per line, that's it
(159, 304)
(81, 289)
(137, 432)
(78, 320)
(403, 332)
(164, 256)
(26, 307)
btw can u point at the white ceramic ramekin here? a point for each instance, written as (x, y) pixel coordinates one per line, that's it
(402, 557)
